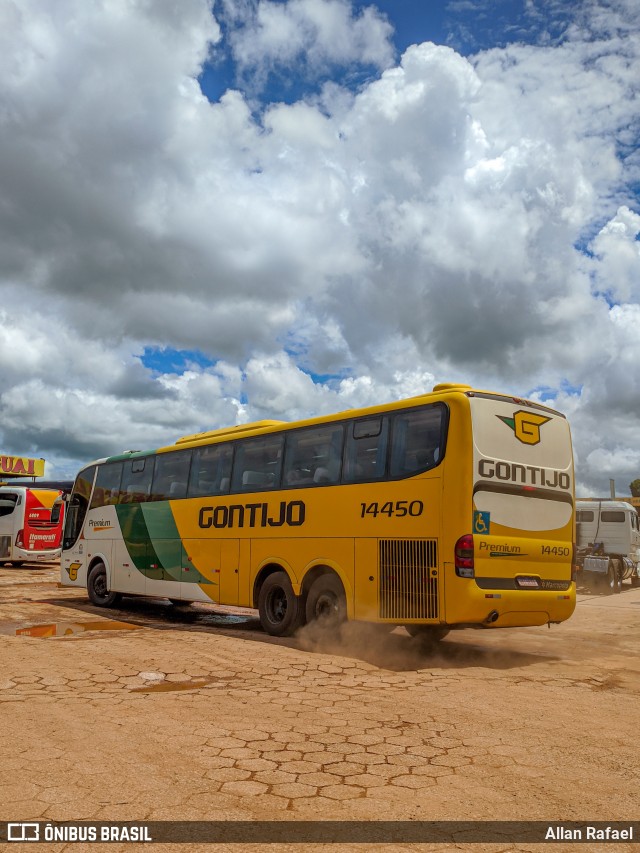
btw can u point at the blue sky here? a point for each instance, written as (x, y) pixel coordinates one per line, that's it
(468, 26)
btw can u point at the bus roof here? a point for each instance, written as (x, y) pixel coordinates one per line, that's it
(34, 487)
(256, 426)
(440, 392)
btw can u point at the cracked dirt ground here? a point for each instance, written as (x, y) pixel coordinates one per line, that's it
(150, 712)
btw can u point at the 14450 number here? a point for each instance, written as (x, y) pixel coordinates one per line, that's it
(555, 550)
(397, 508)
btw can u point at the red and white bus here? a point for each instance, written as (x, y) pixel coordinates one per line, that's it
(27, 533)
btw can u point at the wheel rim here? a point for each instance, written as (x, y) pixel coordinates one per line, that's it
(277, 605)
(326, 606)
(100, 585)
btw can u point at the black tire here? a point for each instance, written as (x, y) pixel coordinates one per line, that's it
(97, 588)
(326, 602)
(611, 580)
(17, 563)
(280, 610)
(428, 634)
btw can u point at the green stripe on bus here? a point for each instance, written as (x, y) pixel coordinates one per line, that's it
(153, 542)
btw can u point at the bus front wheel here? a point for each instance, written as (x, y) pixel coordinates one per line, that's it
(326, 602)
(279, 608)
(99, 593)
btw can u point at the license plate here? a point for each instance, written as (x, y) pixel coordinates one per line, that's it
(528, 583)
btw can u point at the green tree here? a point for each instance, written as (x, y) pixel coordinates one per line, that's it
(635, 488)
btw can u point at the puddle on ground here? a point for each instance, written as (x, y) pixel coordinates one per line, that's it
(225, 619)
(169, 686)
(67, 629)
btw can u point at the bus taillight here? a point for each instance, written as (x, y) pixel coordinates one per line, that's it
(463, 553)
(20, 539)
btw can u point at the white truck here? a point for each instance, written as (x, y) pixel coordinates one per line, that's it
(608, 544)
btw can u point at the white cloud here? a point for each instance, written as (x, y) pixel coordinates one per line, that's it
(421, 229)
(618, 251)
(312, 34)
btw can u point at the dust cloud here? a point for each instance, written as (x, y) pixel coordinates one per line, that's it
(389, 647)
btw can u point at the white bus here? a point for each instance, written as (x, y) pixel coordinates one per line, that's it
(27, 532)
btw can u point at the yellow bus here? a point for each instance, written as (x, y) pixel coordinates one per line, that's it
(451, 509)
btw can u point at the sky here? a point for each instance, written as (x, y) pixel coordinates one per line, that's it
(213, 213)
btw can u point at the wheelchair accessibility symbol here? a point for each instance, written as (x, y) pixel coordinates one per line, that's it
(481, 521)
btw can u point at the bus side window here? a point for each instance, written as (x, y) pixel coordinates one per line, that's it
(136, 480)
(366, 450)
(7, 504)
(170, 476)
(210, 470)
(257, 464)
(313, 456)
(416, 443)
(107, 486)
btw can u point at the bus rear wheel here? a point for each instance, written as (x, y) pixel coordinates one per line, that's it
(99, 593)
(279, 608)
(326, 602)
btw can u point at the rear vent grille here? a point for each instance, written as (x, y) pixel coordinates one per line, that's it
(408, 590)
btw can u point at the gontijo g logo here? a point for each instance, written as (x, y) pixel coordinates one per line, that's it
(525, 425)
